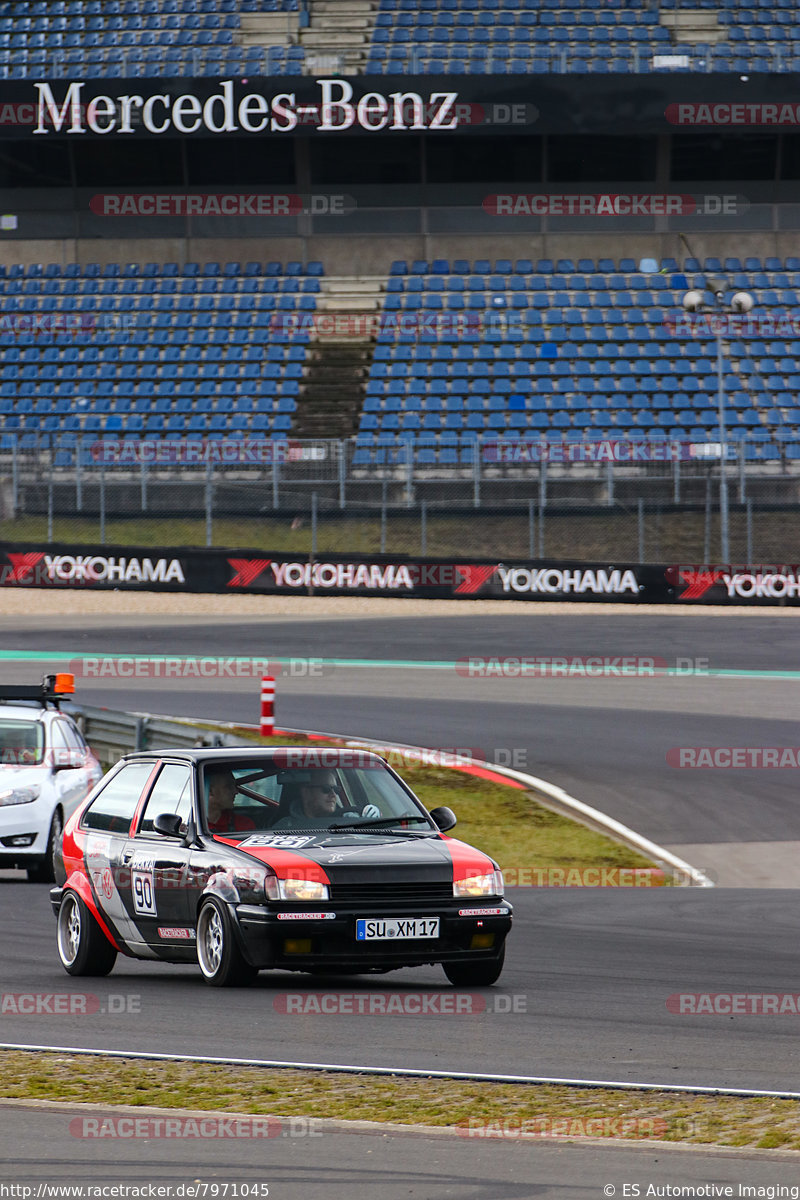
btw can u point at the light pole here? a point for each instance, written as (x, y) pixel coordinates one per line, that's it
(740, 302)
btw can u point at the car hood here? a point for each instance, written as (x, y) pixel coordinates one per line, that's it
(364, 858)
(18, 777)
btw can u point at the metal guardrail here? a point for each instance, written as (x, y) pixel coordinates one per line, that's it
(111, 733)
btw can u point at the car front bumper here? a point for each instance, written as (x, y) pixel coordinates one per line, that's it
(30, 822)
(294, 940)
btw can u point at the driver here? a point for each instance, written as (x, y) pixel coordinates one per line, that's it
(220, 813)
(317, 803)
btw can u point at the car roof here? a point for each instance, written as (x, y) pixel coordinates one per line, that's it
(200, 754)
(28, 712)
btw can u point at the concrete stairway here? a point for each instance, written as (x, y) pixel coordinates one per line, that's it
(269, 29)
(693, 25)
(339, 357)
(338, 35)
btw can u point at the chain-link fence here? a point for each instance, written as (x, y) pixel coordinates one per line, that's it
(590, 501)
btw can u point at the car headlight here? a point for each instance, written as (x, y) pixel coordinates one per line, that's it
(490, 884)
(295, 889)
(22, 795)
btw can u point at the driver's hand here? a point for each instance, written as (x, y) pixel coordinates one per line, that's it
(370, 813)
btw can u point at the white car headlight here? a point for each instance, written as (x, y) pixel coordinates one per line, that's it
(21, 795)
(490, 884)
(295, 889)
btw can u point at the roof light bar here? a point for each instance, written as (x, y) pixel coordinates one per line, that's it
(52, 690)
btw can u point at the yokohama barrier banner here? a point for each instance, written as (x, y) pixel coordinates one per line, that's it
(126, 568)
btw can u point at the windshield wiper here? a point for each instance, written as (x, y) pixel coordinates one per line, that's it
(380, 823)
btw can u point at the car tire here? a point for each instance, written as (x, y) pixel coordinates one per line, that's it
(82, 946)
(220, 960)
(475, 974)
(44, 871)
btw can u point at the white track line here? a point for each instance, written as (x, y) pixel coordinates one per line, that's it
(406, 1072)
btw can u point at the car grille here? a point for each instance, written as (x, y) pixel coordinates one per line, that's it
(391, 893)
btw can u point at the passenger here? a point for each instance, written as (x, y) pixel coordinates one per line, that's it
(220, 813)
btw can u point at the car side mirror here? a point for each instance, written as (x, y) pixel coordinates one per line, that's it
(444, 818)
(68, 760)
(168, 824)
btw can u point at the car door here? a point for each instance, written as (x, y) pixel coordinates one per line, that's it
(70, 781)
(158, 864)
(107, 824)
(90, 771)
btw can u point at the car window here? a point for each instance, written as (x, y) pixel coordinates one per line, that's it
(112, 810)
(262, 785)
(57, 739)
(73, 737)
(380, 788)
(21, 743)
(254, 798)
(171, 794)
(316, 797)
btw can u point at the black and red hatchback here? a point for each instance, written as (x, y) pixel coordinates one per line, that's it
(245, 859)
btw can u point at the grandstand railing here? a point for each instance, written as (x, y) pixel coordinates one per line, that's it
(200, 61)
(321, 496)
(364, 213)
(174, 474)
(422, 60)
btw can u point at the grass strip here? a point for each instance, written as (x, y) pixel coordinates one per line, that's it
(603, 534)
(472, 1109)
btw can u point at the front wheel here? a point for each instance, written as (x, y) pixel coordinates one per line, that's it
(475, 974)
(44, 871)
(82, 946)
(218, 956)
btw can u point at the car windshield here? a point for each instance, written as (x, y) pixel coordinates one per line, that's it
(21, 743)
(244, 796)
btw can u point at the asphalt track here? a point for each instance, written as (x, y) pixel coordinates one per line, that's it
(584, 995)
(605, 740)
(590, 972)
(39, 1148)
(595, 968)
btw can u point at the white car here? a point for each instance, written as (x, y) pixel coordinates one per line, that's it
(46, 770)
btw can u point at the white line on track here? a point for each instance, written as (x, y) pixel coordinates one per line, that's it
(406, 1072)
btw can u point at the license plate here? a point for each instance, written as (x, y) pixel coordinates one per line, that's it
(378, 929)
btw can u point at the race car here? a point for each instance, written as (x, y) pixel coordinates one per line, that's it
(46, 770)
(247, 858)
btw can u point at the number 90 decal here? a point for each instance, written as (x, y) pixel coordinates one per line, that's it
(144, 897)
